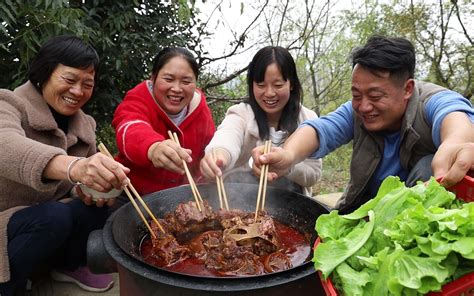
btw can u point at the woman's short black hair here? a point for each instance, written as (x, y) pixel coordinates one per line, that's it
(256, 73)
(168, 53)
(384, 54)
(67, 50)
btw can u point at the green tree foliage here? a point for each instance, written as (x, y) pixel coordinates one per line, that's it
(221, 97)
(24, 27)
(127, 35)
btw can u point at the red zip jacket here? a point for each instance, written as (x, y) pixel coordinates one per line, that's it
(139, 122)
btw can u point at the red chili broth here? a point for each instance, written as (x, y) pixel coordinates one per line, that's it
(294, 244)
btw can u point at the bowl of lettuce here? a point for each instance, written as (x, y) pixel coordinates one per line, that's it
(404, 241)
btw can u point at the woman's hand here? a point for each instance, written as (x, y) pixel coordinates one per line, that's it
(213, 163)
(100, 173)
(169, 155)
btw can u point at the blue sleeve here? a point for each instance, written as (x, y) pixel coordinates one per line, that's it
(334, 129)
(440, 105)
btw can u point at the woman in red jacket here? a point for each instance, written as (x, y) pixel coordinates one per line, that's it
(169, 101)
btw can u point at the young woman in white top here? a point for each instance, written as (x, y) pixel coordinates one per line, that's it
(272, 111)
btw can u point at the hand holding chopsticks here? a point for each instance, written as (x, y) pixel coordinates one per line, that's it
(262, 186)
(220, 188)
(104, 150)
(194, 189)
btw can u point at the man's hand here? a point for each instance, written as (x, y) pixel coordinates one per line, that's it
(279, 160)
(452, 161)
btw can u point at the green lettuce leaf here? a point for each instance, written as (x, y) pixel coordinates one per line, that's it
(330, 254)
(421, 239)
(332, 226)
(352, 281)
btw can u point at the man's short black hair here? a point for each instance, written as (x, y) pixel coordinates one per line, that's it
(385, 54)
(67, 50)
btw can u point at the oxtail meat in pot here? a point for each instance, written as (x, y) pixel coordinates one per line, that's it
(223, 243)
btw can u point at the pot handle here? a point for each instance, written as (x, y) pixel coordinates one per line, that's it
(98, 259)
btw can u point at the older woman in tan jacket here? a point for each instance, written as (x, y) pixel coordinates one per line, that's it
(48, 147)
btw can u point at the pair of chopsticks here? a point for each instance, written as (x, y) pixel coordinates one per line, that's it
(105, 151)
(262, 186)
(194, 189)
(220, 188)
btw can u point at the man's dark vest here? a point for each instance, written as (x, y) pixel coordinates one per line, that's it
(416, 142)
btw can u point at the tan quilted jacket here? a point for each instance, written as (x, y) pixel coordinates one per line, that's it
(29, 139)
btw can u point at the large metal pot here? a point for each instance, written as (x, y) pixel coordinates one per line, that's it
(124, 230)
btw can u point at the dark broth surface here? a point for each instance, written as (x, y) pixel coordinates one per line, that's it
(293, 243)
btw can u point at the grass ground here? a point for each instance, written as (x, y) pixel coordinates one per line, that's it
(335, 171)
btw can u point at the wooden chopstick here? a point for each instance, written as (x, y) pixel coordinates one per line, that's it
(268, 145)
(194, 189)
(105, 151)
(130, 197)
(224, 195)
(220, 188)
(262, 186)
(219, 193)
(147, 209)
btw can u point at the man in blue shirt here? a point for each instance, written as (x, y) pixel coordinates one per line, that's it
(399, 126)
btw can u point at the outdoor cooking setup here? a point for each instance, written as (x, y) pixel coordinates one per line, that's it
(117, 246)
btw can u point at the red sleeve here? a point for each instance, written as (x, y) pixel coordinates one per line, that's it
(134, 125)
